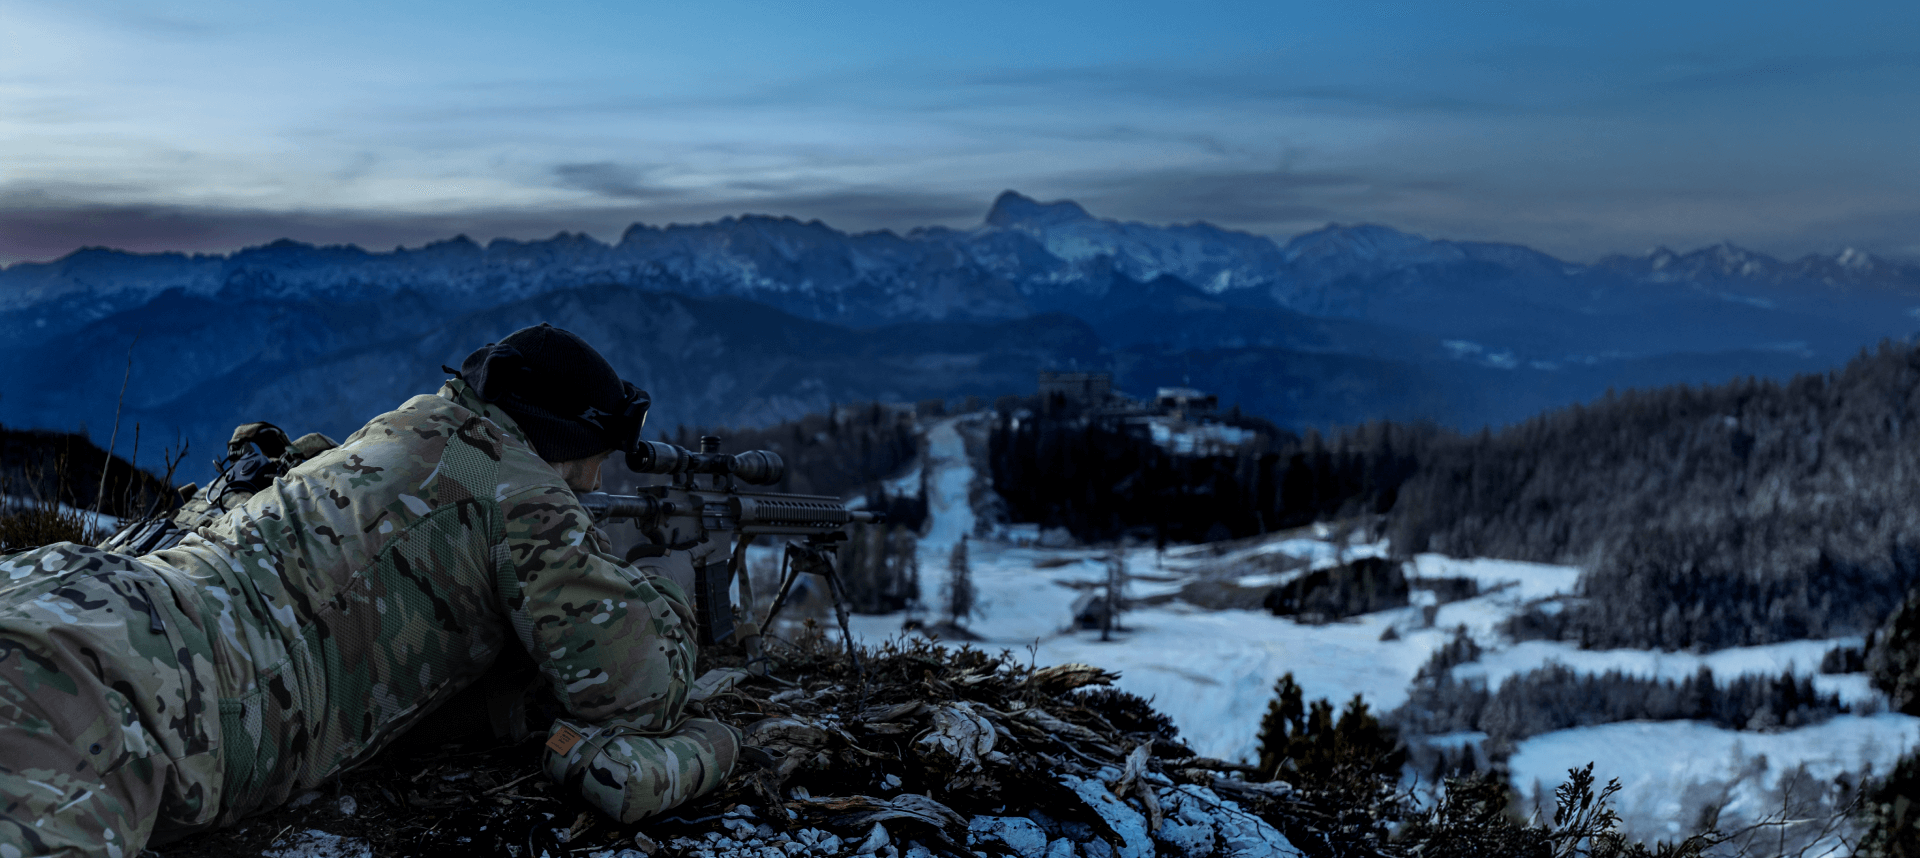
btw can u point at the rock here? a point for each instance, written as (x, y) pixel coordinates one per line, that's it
(1060, 848)
(875, 839)
(313, 843)
(645, 844)
(1126, 822)
(1016, 834)
(1201, 824)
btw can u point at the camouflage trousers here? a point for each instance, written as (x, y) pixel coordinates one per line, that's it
(108, 721)
(111, 732)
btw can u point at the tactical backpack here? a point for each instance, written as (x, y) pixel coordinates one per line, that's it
(257, 454)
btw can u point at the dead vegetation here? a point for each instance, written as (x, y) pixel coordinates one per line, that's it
(941, 751)
(932, 741)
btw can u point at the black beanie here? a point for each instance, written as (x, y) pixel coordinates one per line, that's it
(544, 378)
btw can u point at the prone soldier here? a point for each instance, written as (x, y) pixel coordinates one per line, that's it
(144, 697)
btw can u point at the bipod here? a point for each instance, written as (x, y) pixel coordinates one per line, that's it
(815, 557)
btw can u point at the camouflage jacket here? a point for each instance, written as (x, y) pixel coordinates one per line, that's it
(378, 578)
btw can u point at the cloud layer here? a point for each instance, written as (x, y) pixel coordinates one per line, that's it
(1578, 128)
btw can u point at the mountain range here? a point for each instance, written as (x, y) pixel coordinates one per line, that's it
(749, 320)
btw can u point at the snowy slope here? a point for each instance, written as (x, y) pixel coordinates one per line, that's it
(1669, 769)
(1213, 671)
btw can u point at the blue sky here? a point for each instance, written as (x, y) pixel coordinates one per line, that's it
(1580, 128)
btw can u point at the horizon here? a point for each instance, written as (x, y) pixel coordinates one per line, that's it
(1579, 129)
(483, 244)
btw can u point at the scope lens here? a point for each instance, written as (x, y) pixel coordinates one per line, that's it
(759, 467)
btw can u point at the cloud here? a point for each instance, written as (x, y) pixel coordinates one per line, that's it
(1258, 82)
(1788, 71)
(608, 179)
(1272, 200)
(38, 224)
(877, 208)
(1278, 201)
(36, 227)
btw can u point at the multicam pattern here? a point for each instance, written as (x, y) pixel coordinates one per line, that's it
(631, 773)
(300, 633)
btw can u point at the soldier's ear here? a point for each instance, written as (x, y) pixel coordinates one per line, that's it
(495, 371)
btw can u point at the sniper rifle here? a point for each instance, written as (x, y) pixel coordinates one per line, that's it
(707, 518)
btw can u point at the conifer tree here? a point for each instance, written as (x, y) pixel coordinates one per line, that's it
(960, 594)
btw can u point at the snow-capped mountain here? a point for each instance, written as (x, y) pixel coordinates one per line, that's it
(1025, 257)
(1338, 325)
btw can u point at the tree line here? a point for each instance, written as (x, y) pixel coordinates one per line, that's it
(1705, 517)
(1556, 697)
(1103, 479)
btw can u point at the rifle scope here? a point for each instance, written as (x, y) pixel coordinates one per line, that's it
(756, 467)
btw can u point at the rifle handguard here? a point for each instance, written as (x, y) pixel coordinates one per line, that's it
(808, 515)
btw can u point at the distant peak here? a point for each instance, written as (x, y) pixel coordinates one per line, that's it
(458, 242)
(1363, 239)
(1013, 210)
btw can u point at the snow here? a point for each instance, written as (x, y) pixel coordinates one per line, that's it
(947, 502)
(1213, 671)
(1198, 439)
(95, 522)
(1664, 764)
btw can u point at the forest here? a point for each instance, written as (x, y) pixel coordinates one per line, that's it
(1557, 697)
(1744, 513)
(1103, 480)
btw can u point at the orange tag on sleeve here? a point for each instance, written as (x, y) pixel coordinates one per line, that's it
(563, 740)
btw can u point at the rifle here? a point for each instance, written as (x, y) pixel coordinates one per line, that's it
(707, 518)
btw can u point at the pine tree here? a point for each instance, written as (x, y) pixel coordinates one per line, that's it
(960, 594)
(1285, 718)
